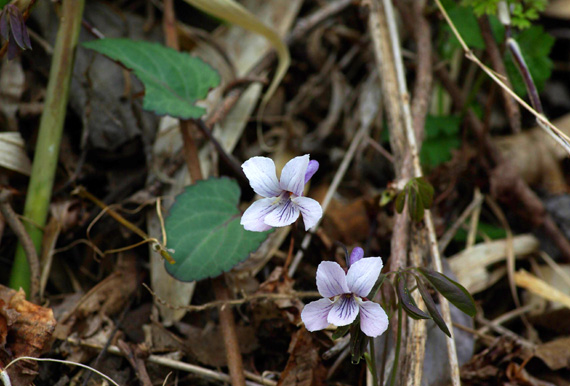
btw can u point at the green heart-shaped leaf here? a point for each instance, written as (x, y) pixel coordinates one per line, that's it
(204, 231)
(173, 80)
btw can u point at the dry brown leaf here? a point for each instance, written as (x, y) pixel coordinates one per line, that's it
(106, 298)
(555, 354)
(543, 168)
(304, 367)
(30, 328)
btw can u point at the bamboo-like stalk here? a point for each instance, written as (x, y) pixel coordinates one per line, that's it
(50, 131)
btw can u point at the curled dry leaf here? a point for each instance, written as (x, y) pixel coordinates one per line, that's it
(304, 366)
(29, 328)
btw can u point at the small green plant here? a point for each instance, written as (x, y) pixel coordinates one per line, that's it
(522, 11)
(418, 193)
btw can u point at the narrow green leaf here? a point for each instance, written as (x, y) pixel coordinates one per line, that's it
(358, 342)
(425, 191)
(204, 230)
(173, 80)
(431, 307)
(340, 332)
(415, 205)
(451, 290)
(400, 201)
(408, 303)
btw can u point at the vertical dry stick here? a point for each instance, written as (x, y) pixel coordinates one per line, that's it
(388, 15)
(451, 350)
(424, 71)
(403, 161)
(227, 323)
(18, 228)
(190, 149)
(511, 106)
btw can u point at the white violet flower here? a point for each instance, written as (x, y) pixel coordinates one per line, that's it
(344, 296)
(283, 200)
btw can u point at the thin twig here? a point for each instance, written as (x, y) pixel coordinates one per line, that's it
(306, 24)
(448, 235)
(226, 157)
(508, 316)
(14, 222)
(182, 366)
(236, 302)
(512, 108)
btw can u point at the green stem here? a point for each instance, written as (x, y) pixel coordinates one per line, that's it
(398, 344)
(49, 137)
(373, 360)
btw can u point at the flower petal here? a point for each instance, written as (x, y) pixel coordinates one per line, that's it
(331, 279)
(311, 169)
(356, 254)
(363, 274)
(344, 311)
(260, 171)
(373, 319)
(310, 209)
(315, 314)
(283, 214)
(252, 218)
(293, 175)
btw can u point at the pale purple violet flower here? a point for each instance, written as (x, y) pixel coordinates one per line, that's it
(283, 200)
(343, 294)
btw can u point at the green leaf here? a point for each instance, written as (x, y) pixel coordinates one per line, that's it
(173, 80)
(492, 231)
(425, 191)
(451, 290)
(431, 307)
(408, 303)
(442, 136)
(204, 230)
(340, 331)
(420, 197)
(415, 204)
(466, 23)
(535, 45)
(358, 342)
(3, 3)
(400, 201)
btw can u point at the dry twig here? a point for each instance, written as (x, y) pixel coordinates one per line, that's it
(12, 219)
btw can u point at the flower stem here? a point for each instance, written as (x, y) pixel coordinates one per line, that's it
(49, 137)
(373, 361)
(398, 344)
